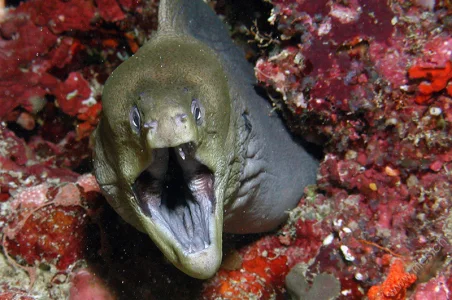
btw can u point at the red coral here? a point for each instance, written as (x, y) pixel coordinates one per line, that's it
(60, 15)
(110, 10)
(262, 274)
(16, 86)
(266, 263)
(46, 236)
(31, 164)
(72, 94)
(65, 50)
(45, 221)
(438, 80)
(131, 41)
(90, 117)
(395, 285)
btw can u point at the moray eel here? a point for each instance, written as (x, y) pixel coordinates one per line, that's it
(186, 149)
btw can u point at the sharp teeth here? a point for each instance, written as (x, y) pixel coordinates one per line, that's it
(181, 153)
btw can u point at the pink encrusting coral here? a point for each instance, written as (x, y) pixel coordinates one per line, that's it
(43, 49)
(54, 58)
(369, 80)
(42, 228)
(356, 79)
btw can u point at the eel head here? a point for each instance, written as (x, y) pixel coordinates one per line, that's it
(163, 146)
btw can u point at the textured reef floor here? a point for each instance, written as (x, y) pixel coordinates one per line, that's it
(371, 81)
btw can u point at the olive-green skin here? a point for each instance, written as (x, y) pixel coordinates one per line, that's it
(259, 170)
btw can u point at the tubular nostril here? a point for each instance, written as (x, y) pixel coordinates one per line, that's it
(152, 125)
(181, 118)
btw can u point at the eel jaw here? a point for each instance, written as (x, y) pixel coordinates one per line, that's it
(178, 208)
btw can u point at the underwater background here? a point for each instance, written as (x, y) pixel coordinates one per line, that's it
(370, 82)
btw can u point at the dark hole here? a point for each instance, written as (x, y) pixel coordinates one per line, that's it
(175, 190)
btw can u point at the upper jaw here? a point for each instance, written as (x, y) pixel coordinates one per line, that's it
(178, 209)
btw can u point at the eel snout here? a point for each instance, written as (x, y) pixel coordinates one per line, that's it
(177, 193)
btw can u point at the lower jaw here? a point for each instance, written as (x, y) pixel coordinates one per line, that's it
(202, 264)
(183, 206)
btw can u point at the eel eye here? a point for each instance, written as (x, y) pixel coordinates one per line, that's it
(196, 111)
(135, 119)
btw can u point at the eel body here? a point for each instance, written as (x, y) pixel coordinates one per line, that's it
(186, 149)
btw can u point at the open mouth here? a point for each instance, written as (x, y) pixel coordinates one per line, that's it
(176, 191)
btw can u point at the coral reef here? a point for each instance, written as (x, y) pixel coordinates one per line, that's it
(369, 80)
(438, 77)
(395, 285)
(373, 82)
